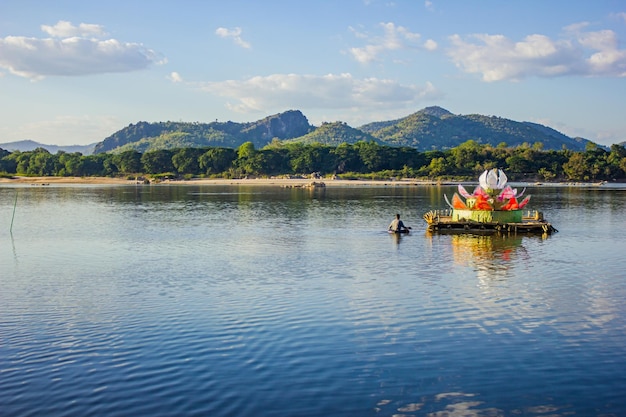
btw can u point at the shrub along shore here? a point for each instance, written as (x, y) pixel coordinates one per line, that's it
(360, 161)
(282, 182)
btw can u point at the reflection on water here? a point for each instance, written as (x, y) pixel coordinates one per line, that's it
(396, 238)
(490, 255)
(220, 300)
(485, 249)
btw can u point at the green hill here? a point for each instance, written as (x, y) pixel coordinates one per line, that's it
(334, 134)
(432, 128)
(436, 128)
(145, 136)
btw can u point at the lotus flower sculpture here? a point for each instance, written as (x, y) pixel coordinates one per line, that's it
(492, 193)
(492, 180)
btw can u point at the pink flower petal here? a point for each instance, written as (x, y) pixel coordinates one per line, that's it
(463, 191)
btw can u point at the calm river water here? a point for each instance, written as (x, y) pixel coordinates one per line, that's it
(251, 301)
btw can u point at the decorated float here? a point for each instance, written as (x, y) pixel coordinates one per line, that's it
(493, 206)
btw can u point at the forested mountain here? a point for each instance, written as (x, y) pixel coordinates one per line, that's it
(145, 136)
(335, 134)
(432, 128)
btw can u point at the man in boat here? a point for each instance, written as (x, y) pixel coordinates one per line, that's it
(397, 225)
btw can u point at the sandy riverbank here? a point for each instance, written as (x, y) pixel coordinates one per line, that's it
(282, 182)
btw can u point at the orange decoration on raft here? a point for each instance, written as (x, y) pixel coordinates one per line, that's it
(482, 203)
(511, 205)
(457, 203)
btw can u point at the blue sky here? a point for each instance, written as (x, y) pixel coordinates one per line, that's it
(74, 72)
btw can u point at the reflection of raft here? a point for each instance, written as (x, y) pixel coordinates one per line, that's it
(479, 221)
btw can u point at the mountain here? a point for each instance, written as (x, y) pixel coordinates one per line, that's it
(30, 145)
(570, 143)
(145, 136)
(432, 128)
(435, 128)
(434, 111)
(287, 125)
(334, 134)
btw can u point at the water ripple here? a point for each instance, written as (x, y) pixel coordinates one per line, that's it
(181, 301)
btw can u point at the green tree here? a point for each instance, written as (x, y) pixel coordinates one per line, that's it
(109, 167)
(575, 168)
(186, 160)
(7, 164)
(370, 156)
(618, 150)
(299, 159)
(518, 164)
(622, 165)
(71, 164)
(306, 159)
(410, 157)
(466, 156)
(345, 159)
(437, 167)
(246, 150)
(42, 163)
(546, 174)
(274, 161)
(217, 160)
(22, 161)
(157, 162)
(614, 160)
(128, 162)
(94, 165)
(248, 162)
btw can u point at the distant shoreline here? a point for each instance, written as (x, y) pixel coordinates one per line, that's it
(281, 182)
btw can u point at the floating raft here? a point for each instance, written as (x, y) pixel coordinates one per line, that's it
(446, 221)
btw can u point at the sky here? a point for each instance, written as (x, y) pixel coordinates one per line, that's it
(73, 72)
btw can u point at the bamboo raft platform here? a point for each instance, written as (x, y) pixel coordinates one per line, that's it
(440, 221)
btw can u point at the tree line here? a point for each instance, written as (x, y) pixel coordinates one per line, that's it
(361, 159)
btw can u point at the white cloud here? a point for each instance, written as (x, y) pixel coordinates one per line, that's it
(393, 38)
(234, 34)
(332, 91)
(175, 77)
(576, 27)
(430, 45)
(36, 58)
(65, 29)
(577, 53)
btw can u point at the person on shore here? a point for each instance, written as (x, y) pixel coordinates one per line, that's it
(397, 225)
